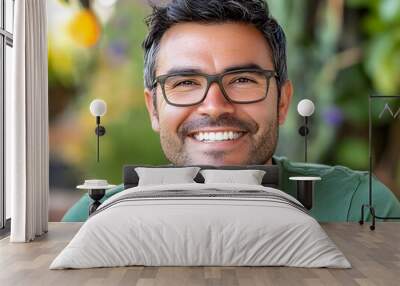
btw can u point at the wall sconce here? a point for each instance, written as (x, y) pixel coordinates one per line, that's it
(98, 108)
(305, 108)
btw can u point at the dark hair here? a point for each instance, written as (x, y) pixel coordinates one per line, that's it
(254, 12)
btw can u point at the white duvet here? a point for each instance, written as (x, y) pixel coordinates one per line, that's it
(267, 229)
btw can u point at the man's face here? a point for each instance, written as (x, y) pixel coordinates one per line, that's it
(211, 49)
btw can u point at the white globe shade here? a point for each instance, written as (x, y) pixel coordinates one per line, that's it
(305, 107)
(98, 107)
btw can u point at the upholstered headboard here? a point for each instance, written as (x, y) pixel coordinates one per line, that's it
(270, 179)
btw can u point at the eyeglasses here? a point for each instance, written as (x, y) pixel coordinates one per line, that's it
(238, 86)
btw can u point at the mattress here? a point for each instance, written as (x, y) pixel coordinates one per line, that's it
(201, 225)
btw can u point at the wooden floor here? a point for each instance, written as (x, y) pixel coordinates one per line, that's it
(374, 255)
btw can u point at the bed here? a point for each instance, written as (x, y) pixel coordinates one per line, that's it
(201, 223)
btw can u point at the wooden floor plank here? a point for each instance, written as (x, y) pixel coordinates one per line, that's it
(374, 255)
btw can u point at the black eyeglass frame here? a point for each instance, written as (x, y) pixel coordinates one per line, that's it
(218, 79)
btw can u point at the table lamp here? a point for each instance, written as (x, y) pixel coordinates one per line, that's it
(98, 108)
(305, 108)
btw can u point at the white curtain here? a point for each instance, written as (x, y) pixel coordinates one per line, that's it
(27, 147)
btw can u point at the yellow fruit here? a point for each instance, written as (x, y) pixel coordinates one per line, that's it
(85, 28)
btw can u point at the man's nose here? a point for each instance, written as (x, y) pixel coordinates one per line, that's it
(215, 104)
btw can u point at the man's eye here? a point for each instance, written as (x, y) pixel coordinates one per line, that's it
(185, 83)
(243, 80)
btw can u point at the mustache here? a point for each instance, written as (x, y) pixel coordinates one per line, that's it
(224, 120)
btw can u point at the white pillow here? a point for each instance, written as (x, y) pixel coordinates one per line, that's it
(162, 176)
(249, 177)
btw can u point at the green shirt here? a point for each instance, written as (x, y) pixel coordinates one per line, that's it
(338, 196)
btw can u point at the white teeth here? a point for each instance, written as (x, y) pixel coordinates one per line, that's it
(217, 136)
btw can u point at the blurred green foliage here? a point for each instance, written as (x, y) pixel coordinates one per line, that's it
(117, 77)
(340, 52)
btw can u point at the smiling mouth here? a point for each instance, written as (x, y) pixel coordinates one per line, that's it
(218, 136)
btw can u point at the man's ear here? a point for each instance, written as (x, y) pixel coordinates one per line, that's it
(284, 103)
(151, 109)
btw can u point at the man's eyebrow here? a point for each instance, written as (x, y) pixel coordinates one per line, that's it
(245, 66)
(197, 70)
(183, 70)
